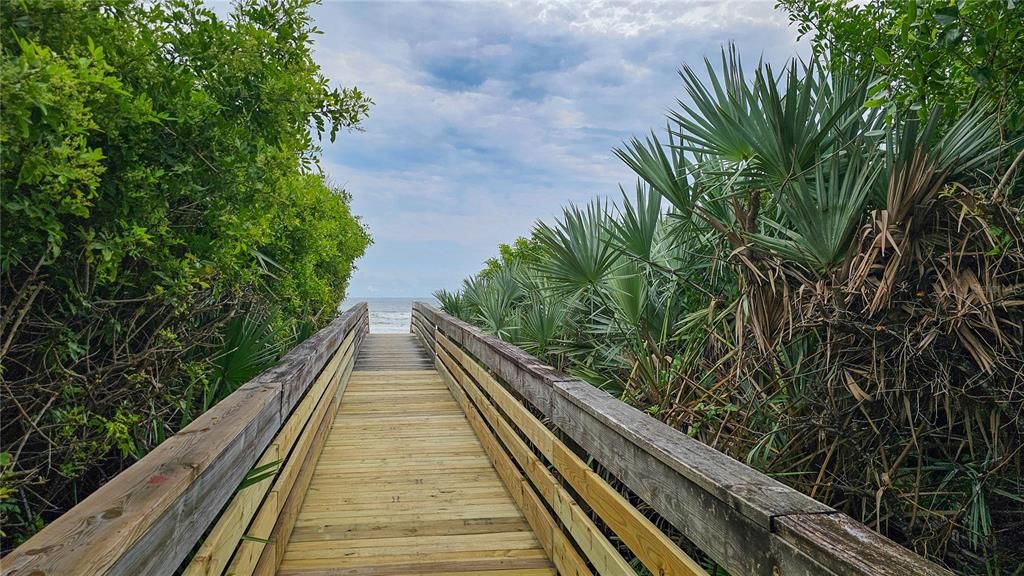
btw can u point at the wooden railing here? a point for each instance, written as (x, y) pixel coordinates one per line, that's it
(148, 519)
(745, 521)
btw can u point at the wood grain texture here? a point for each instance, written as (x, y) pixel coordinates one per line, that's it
(600, 552)
(648, 543)
(392, 352)
(276, 517)
(224, 538)
(555, 543)
(149, 517)
(746, 521)
(435, 463)
(403, 486)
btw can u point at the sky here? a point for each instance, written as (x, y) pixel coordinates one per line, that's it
(491, 115)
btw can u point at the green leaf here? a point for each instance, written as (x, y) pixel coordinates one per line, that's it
(881, 57)
(947, 15)
(952, 36)
(259, 474)
(878, 86)
(982, 75)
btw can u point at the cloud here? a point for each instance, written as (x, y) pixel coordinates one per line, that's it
(489, 116)
(630, 19)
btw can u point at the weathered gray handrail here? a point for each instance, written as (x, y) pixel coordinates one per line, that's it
(147, 519)
(744, 520)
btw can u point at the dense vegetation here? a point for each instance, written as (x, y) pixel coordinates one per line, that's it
(166, 230)
(820, 272)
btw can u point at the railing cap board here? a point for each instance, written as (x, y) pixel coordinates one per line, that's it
(148, 518)
(757, 496)
(841, 544)
(805, 535)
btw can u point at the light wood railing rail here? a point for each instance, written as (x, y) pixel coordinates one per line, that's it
(150, 518)
(745, 521)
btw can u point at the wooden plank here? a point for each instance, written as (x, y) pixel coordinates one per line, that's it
(419, 544)
(554, 541)
(218, 547)
(658, 553)
(725, 507)
(426, 332)
(423, 330)
(149, 517)
(293, 490)
(523, 373)
(404, 477)
(273, 553)
(451, 562)
(385, 529)
(601, 553)
(734, 541)
(393, 352)
(345, 477)
(540, 436)
(711, 470)
(842, 545)
(249, 552)
(424, 514)
(363, 507)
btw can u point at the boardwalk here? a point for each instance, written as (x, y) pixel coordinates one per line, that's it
(443, 452)
(403, 485)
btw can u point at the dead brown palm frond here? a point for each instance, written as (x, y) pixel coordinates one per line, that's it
(769, 311)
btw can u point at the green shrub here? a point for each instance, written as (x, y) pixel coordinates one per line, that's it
(159, 178)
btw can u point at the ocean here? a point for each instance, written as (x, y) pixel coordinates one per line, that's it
(389, 315)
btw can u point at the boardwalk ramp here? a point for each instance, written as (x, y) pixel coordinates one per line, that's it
(443, 451)
(403, 485)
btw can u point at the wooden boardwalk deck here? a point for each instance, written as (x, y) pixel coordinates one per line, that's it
(403, 486)
(409, 476)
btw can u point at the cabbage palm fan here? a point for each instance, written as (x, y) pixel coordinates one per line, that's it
(496, 314)
(807, 144)
(497, 298)
(702, 189)
(687, 249)
(453, 303)
(542, 322)
(777, 134)
(251, 345)
(812, 256)
(473, 290)
(808, 119)
(722, 114)
(636, 227)
(665, 169)
(628, 293)
(820, 213)
(579, 254)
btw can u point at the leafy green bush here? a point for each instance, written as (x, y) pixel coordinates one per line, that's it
(160, 179)
(925, 53)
